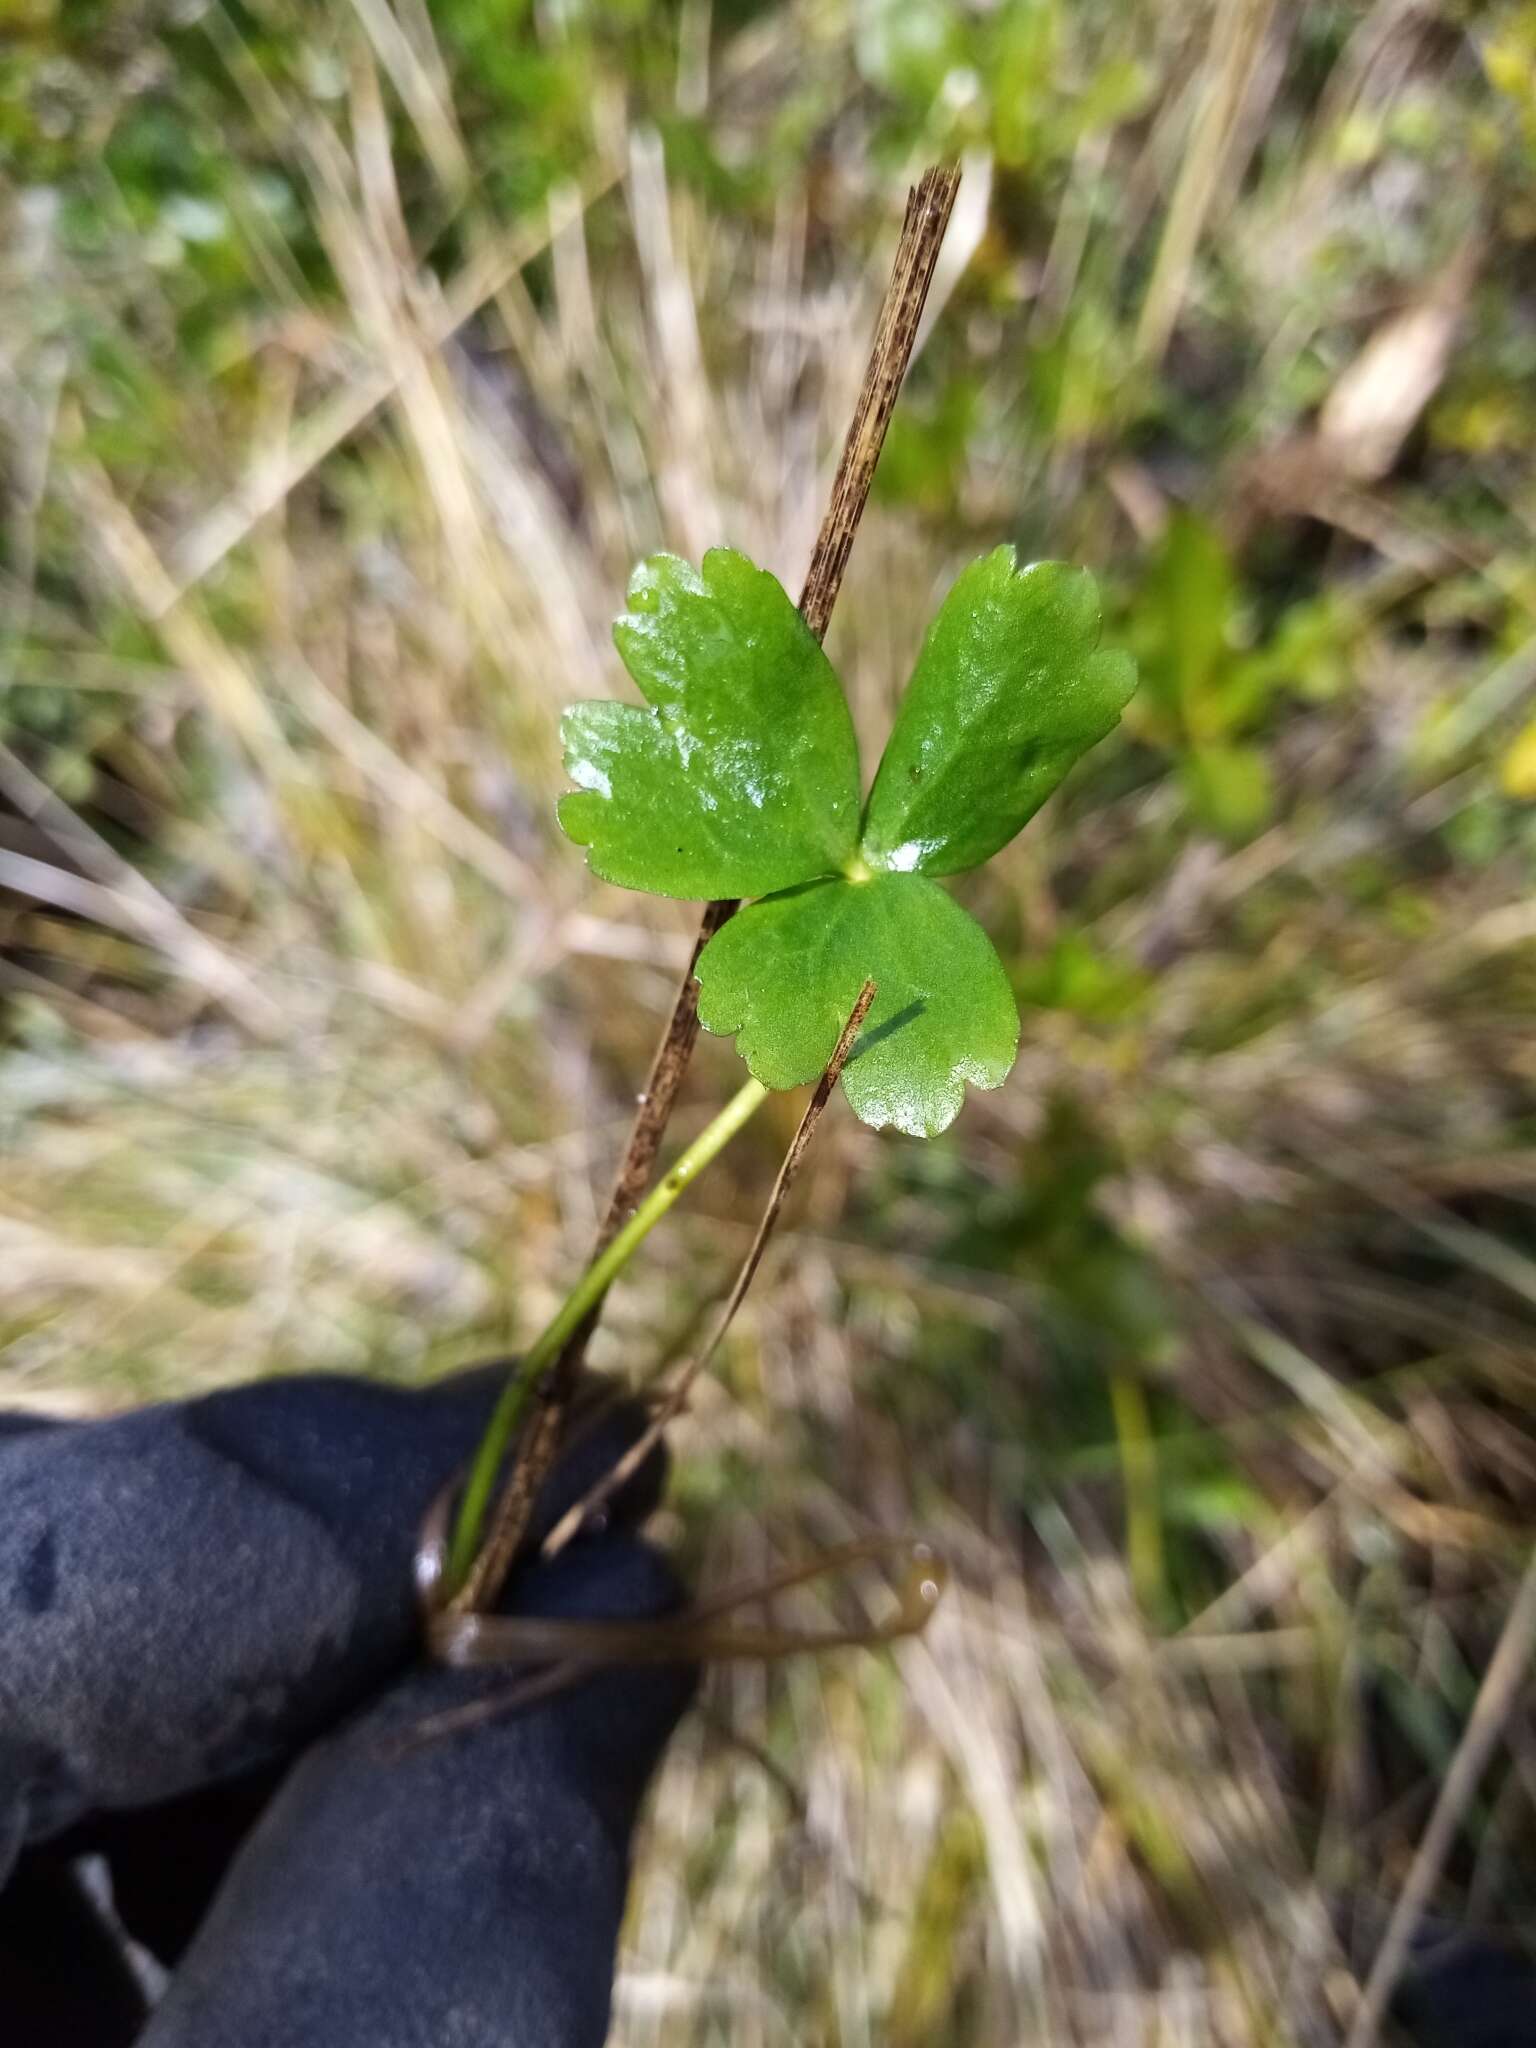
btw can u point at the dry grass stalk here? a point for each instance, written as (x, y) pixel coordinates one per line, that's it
(571, 1521)
(1311, 1101)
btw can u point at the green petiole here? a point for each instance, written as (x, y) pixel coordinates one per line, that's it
(568, 1318)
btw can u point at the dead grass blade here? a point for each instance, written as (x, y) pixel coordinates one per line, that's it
(1491, 1709)
(335, 419)
(570, 1522)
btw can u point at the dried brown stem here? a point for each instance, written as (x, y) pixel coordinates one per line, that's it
(541, 1438)
(570, 1522)
(929, 206)
(468, 1640)
(572, 1650)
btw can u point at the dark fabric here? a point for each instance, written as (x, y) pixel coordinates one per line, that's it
(465, 1892)
(207, 1622)
(1468, 1993)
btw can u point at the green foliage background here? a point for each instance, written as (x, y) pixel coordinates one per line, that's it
(352, 356)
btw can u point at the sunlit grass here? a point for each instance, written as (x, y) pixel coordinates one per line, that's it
(1205, 1348)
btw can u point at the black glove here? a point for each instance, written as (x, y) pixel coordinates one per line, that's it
(190, 1598)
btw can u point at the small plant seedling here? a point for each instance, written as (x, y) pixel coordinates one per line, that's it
(742, 780)
(849, 965)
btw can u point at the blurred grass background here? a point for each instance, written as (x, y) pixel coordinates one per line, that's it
(350, 357)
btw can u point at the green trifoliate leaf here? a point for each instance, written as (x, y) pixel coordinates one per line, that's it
(784, 974)
(1008, 692)
(743, 777)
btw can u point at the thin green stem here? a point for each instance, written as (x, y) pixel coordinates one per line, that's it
(1143, 1505)
(568, 1318)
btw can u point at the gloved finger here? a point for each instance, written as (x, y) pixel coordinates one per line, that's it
(191, 1590)
(467, 1888)
(168, 1860)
